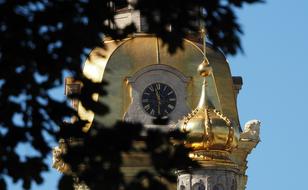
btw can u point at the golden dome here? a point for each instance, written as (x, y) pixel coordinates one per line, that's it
(207, 128)
(123, 59)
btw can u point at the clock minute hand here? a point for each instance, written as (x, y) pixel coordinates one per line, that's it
(158, 101)
(157, 96)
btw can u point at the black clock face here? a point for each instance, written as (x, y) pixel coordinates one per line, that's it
(158, 99)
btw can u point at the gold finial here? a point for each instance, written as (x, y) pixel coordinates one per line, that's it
(209, 130)
(204, 68)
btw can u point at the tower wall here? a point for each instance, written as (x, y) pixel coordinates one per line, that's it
(208, 179)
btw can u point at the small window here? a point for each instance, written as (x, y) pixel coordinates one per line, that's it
(218, 187)
(182, 187)
(198, 186)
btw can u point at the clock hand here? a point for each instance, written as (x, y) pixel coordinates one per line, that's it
(157, 96)
(158, 101)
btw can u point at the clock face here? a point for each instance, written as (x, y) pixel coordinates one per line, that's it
(158, 99)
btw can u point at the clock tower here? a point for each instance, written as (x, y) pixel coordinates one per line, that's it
(145, 82)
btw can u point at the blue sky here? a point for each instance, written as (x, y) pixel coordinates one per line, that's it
(274, 69)
(275, 91)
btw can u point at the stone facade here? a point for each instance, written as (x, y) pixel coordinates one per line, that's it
(208, 179)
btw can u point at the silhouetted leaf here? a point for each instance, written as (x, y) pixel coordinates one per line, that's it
(3, 184)
(66, 183)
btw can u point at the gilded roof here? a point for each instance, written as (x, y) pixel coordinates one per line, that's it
(123, 59)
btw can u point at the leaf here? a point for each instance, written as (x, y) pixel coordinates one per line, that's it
(66, 183)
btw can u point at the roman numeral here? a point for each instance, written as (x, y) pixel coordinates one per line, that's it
(172, 99)
(151, 88)
(170, 106)
(145, 100)
(157, 86)
(171, 92)
(152, 112)
(165, 87)
(147, 107)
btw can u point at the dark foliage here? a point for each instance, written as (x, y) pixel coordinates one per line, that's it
(184, 18)
(96, 157)
(41, 40)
